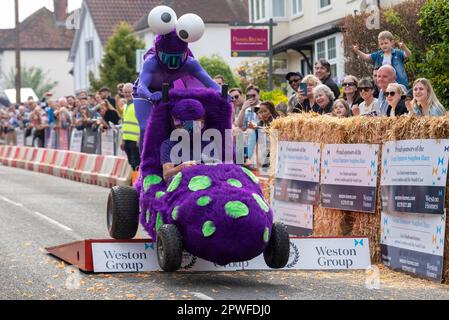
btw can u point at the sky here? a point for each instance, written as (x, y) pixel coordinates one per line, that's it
(26, 8)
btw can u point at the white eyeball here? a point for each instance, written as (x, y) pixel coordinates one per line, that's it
(162, 20)
(190, 28)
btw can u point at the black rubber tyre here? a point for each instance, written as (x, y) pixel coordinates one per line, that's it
(169, 248)
(278, 250)
(123, 213)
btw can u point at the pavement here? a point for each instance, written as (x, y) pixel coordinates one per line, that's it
(39, 211)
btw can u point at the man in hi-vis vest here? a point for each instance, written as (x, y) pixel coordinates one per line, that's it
(130, 132)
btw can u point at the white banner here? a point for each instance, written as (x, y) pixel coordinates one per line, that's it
(414, 243)
(415, 162)
(297, 217)
(20, 136)
(305, 254)
(107, 143)
(76, 140)
(298, 161)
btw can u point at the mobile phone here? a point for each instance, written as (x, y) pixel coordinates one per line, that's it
(303, 87)
(256, 109)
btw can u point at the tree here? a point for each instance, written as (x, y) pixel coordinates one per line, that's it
(119, 61)
(216, 65)
(256, 72)
(434, 17)
(32, 77)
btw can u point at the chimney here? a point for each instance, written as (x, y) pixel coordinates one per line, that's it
(60, 11)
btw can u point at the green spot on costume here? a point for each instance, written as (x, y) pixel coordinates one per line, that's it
(199, 183)
(236, 209)
(209, 229)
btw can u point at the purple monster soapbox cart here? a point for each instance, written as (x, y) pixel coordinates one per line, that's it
(214, 210)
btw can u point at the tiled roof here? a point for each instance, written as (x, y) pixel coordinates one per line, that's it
(211, 11)
(107, 14)
(38, 32)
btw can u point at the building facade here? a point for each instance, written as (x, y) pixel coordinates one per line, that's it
(308, 30)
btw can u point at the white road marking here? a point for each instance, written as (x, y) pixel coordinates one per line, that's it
(38, 214)
(201, 296)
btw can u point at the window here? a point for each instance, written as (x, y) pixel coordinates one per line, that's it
(278, 8)
(331, 48)
(263, 9)
(327, 49)
(89, 50)
(321, 50)
(297, 7)
(325, 3)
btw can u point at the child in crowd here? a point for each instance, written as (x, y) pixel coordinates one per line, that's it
(388, 55)
(340, 109)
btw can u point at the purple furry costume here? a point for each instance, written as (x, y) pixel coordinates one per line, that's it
(218, 209)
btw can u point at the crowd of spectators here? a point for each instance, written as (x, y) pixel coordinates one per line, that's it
(99, 111)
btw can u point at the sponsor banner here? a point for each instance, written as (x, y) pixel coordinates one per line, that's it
(298, 172)
(90, 141)
(305, 254)
(360, 199)
(20, 136)
(414, 174)
(107, 143)
(323, 254)
(297, 217)
(414, 243)
(76, 140)
(123, 257)
(249, 42)
(349, 177)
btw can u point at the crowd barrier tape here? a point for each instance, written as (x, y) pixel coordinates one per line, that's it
(101, 170)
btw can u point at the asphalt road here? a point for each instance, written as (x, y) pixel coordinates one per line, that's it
(39, 211)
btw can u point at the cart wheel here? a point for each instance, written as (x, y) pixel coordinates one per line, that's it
(278, 250)
(169, 248)
(123, 212)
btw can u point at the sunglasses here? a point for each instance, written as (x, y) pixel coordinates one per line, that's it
(390, 94)
(365, 89)
(250, 96)
(350, 84)
(294, 81)
(235, 97)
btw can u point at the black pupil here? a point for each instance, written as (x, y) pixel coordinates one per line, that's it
(183, 34)
(166, 17)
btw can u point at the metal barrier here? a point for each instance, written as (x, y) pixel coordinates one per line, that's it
(86, 140)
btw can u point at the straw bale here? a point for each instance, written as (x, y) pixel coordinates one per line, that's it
(375, 130)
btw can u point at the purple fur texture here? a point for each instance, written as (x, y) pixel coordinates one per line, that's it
(234, 223)
(234, 239)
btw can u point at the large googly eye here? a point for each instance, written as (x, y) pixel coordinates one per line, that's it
(162, 20)
(190, 28)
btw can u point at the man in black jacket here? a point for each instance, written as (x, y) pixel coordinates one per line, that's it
(323, 72)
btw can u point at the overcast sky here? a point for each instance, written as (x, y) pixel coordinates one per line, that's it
(26, 8)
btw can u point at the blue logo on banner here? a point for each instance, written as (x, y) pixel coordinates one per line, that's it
(385, 220)
(356, 243)
(438, 230)
(149, 246)
(444, 171)
(441, 161)
(326, 163)
(373, 164)
(315, 161)
(446, 149)
(440, 193)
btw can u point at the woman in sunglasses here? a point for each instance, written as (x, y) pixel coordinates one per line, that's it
(395, 94)
(351, 94)
(425, 101)
(366, 90)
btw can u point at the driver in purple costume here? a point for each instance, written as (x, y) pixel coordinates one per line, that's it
(169, 61)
